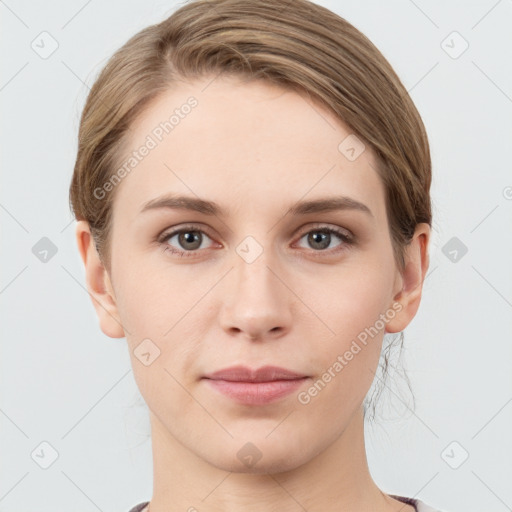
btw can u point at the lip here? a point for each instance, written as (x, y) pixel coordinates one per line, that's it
(255, 387)
(263, 374)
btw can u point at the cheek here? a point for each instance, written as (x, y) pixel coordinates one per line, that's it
(163, 316)
(353, 310)
(160, 364)
(150, 299)
(347, 360)
(351, 299)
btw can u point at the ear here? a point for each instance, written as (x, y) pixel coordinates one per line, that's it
(409, 283)
(98, 283)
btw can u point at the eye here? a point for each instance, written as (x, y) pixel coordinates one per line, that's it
(189, 240)
(321, 237)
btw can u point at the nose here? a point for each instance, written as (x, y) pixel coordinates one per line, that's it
(258, 302)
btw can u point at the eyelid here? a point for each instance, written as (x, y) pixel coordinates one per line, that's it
(319, 226)
(167, 233)
(348, 239)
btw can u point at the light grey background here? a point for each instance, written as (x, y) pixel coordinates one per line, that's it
(65, 383)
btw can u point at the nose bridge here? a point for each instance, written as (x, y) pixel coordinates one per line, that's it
(257, 300)
(254, 274)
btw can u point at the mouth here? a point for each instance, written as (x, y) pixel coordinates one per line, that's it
(255, 387)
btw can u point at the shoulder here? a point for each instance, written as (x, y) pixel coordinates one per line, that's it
(139, 507)
(423, 507)
(417, 504)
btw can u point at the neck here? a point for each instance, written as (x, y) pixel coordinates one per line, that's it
(337, 478)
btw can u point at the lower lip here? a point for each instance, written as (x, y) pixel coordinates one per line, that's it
(256, 393)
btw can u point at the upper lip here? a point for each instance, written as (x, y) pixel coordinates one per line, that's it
(263, 374)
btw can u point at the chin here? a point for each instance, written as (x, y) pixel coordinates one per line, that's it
(272, 465)
(257, 457)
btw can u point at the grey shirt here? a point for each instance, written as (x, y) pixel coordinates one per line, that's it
(417, 504)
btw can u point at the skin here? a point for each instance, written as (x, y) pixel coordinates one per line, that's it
(256, 150)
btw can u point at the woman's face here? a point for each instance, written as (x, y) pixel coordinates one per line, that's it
(256, 279)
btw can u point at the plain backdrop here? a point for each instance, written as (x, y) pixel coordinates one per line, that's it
(68, 397)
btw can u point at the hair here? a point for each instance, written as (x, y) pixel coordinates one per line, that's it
(307, 49)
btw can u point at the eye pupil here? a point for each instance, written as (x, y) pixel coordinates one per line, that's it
(318, 237)
(190, 237)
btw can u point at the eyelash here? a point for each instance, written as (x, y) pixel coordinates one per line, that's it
(347, 240)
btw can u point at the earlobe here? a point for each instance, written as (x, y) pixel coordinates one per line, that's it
(98, 283)
(416, 265)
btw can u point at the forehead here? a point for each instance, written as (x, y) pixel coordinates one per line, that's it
(244, 145)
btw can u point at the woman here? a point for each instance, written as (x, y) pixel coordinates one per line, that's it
(252, 190)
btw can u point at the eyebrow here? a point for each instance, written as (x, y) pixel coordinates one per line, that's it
(328, 204)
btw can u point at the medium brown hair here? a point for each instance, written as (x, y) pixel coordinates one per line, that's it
(297, 45)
